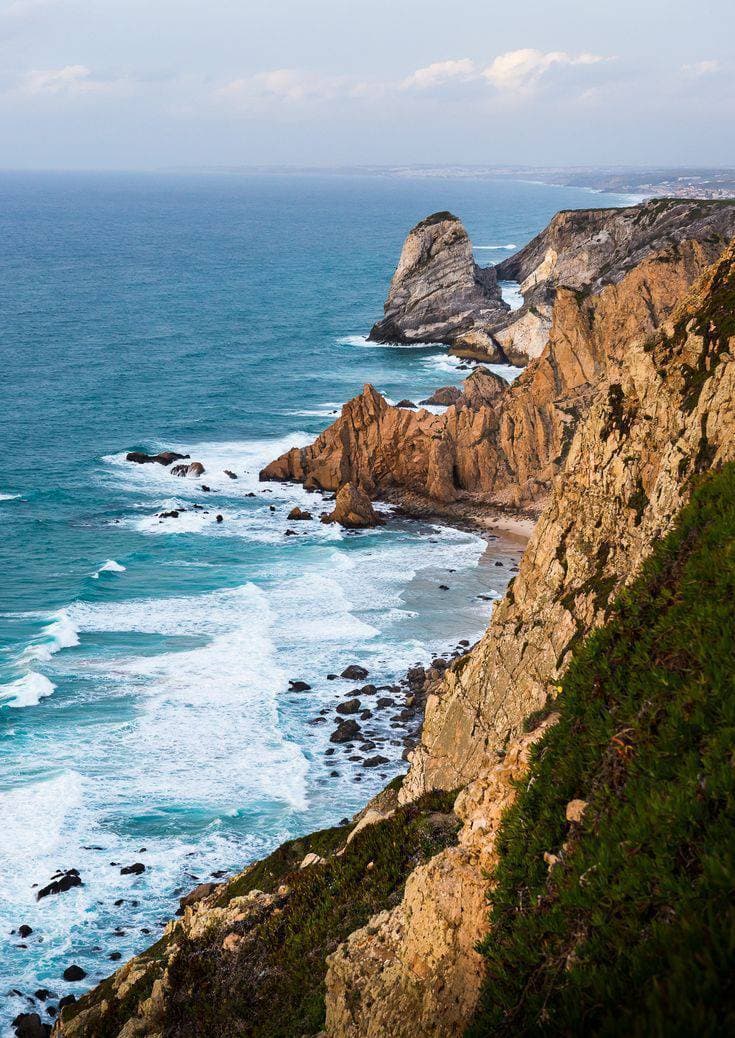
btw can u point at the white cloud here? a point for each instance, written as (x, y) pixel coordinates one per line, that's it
(439, 73)
(289, 85)
(69, 81)
(522, 70)
(701, 68)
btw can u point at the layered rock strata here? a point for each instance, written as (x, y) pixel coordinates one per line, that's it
(499, 444)
(438, 292)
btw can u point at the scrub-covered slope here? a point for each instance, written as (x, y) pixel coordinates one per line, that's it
(621, 920)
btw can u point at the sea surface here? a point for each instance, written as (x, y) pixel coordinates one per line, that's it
(144, 662)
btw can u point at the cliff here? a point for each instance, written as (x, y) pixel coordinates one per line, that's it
(439, 294)
(504, 447)
(377, 933)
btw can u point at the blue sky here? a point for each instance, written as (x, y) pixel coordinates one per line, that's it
(133, 84)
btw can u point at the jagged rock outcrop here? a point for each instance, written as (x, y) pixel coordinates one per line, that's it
(438, 292)
(501, 444)
(664, 411)
(414, 970)
(659, 408)
(352, 509)
(587, 249)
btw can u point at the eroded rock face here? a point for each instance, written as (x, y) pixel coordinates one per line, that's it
(414, 970)
(353, 509)
(664, 411)
(438, 293)
(500, 444)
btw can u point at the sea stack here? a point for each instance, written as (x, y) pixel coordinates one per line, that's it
(438, 292)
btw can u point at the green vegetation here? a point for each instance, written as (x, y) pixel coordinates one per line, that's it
(632, 931)
(272, 986)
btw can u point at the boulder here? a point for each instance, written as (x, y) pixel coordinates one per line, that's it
(298, 513)
(133, 870)
(444, 396)
(345, 731)
(29, 1025)
(164, 458)
(353, 509)
(355, 673)
(350, 706)
(74, 972)
(61, 882)
(298, 686)
(406, 403)
(194, 470)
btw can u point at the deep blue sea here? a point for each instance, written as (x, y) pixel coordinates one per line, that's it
(144, 663)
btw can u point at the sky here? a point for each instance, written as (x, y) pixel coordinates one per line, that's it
(151, 84)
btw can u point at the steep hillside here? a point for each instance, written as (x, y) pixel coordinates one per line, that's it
(380, 937)
(612, 908)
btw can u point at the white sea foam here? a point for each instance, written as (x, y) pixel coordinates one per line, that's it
(497, 248)
(26, 691)
(59, 633)
(511, 293)
(362, 340)
(111, 566)
(9, 497)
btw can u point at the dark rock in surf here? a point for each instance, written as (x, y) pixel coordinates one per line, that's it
(132, 870)
(60, 882)
(73, 973)
(354, 672)
(164, 458)
(345, 731)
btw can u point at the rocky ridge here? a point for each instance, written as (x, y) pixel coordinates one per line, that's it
(660, 410)
(499, 445)
(439, 294)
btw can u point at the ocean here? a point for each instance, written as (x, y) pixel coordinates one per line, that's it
(145, 711)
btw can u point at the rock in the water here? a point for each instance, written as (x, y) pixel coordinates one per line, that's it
(438, 293)
(164, 458)
(374, 762)
(67, 1000)
(133, 870)
(353, 509)
(406, 403)
(298, 686)
(232, 475)
(194, 469)
(25, 930)
(298, 513)
(444, 396)
(354, 673)
(350, 706)
(61, 882)
(29, 1025)
(345, 731)
(74, 972)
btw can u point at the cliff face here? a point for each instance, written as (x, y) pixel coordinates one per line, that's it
(438, 293)
(499, 446)
(664, 411)
(393, 912)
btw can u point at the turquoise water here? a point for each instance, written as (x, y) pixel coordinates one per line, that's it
(144, 663)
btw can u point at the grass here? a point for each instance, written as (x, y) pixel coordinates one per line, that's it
(633, 931)
(273, 985)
